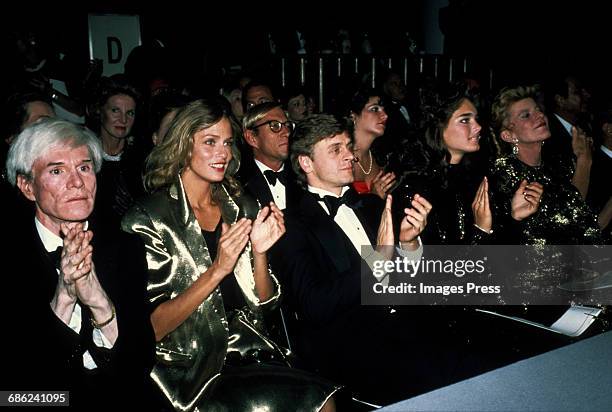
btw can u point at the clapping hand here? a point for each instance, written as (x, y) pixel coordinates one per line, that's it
(414, 222)
(480, 207)
(231, 244)
(76, 260)
(267, 228)
(382, 183)
(526, 200)
(582, 145)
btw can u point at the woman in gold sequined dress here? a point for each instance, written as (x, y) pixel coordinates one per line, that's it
(563, 217)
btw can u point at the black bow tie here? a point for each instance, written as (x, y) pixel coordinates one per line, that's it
(350, 198)
(272, 176)
(56, 256)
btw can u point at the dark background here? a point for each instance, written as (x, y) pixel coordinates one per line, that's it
(522, 41)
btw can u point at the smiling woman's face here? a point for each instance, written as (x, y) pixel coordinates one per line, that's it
(527, 122)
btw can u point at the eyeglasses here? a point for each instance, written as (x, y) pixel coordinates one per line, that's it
(277, 126)
(261, 100)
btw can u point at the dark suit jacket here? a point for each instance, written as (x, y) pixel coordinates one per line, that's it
(397, 126)
(321, 273)
(600, 188)
(559, 144)
(45, 354)
(255, 183)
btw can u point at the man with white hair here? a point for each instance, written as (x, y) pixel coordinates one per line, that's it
(76, 305)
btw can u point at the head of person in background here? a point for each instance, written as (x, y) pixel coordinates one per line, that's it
(394, 87)
(234, 97)
(311, 104)
(451, 123)
(267, 130)
(603, 126)
(567, 97)
(369, 120)
(163, 109)
(295, 105)
(256, 92)
(114, 112)
(24, 110)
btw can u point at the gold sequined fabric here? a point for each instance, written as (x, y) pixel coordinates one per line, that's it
(563, 217)
(191, 359)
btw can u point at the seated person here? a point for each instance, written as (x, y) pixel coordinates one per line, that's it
(209, 281)
(77, 310)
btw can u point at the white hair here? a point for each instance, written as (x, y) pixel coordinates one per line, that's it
(38, 139)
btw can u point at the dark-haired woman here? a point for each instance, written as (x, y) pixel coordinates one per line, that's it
(369, 121)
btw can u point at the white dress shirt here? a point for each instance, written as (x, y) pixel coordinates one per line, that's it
(51, 242)
(606, 150)
(566, 125)
(278, 190)
(350, 224)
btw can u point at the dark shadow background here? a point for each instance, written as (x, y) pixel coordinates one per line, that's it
(522, 41)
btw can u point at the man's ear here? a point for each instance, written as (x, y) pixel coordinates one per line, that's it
(25, 186)
(305, 163)
(249, 137)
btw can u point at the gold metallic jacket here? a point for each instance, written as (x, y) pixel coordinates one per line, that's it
(191, 357)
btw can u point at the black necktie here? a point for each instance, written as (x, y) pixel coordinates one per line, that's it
(272, 176)
(350, 198)
(56, 256)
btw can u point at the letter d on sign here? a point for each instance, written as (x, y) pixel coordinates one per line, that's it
(110, 41)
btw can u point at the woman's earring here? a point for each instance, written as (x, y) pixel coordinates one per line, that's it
(515, 148)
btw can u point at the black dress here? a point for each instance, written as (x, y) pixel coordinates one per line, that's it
(252, 378)
(563, 217)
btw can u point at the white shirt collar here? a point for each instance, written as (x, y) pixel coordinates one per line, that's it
(263, 167)
(566, 125)
(606, 150)
(50, 240)
(323, 192)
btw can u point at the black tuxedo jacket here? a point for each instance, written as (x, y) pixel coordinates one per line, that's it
(255, 183)
(600, 188)
(559, 144)
(398, 127)
(382, 353)
(43, 353)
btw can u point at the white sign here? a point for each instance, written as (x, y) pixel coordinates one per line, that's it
(111, 39)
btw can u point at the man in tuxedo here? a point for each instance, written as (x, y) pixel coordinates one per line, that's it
(267, 131)
(76, 305)
(326, 258)
(570, 141)
(402, 116)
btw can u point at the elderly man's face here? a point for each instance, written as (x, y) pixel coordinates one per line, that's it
(63, 186)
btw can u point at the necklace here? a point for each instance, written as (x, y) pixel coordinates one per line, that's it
(369, 167)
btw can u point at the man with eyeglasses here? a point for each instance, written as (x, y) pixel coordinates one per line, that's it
(267, 131)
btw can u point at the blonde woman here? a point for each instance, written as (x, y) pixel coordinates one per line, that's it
(209, 282)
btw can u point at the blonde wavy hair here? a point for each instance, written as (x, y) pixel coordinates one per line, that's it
(167, 160)
(500, 110)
